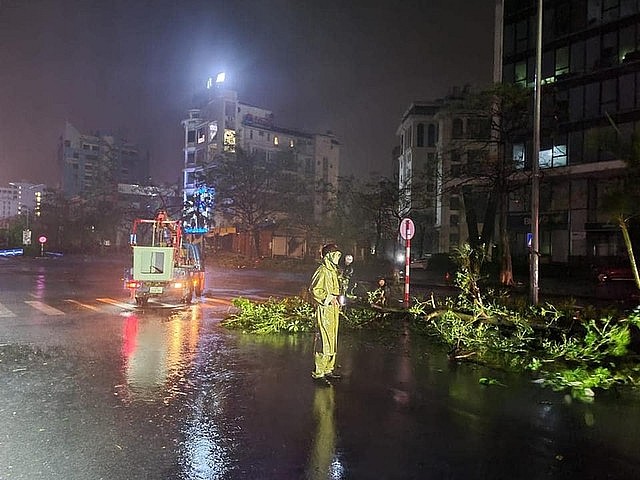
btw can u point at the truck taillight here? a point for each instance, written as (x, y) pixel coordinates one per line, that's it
(177, 285)
(131, 284)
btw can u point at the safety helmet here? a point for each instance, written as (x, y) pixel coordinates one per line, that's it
(328, 248)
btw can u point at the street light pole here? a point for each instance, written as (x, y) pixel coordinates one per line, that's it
(535, 167)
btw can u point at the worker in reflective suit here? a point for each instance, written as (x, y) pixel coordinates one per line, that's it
(325, 290)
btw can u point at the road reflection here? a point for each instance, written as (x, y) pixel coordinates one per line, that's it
(158, 349)
(323, 462)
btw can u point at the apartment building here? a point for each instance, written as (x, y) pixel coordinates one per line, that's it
(87, 159)
(221, 123)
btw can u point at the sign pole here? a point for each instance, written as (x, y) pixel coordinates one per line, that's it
(407, 257)
(407, 230)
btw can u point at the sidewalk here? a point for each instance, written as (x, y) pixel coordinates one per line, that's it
(550, 289)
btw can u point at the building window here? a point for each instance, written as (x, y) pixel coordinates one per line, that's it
(610, 10)
(431, 135)
(191, 136)
(522, 36)
(420, 135)
(454, 202)
(457, 128)
(628, 90)
(191, 158)
(553, 157)
(577, 57)
(520, 75)
(518, 156)
(291, 143)
(201, 136)
(562, 61)
(592, 100)
(561, 20)
(608, 97)
(454, 220)
(275, 140)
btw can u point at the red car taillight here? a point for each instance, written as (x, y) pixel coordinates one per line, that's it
(131, 284)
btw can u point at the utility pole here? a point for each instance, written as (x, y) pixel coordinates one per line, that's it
(535, 167)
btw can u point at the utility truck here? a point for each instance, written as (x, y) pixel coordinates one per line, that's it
(167, 263)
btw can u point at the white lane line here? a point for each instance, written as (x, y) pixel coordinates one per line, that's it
(111, 301)
(5, 312)
(44, 308)
(84, 305)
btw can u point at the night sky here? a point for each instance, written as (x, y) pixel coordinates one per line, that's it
(131, 67)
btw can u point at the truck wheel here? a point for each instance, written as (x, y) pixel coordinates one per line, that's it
(199, 288)
(141, 301)
(188, 297)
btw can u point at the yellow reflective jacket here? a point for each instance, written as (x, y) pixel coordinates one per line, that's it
(325, 283)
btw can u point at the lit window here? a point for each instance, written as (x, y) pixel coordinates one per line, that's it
(562, 61)
(275, 140)
(554, 157)
(518, 156)
(521, 74)
(290, 143)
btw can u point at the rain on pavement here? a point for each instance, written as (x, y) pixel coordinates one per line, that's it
(95, 388)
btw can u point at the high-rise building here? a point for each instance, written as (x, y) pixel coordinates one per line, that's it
(87, 160)
(591, 86)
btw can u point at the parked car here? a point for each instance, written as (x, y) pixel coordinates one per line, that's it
(419, 263)
(607, 273)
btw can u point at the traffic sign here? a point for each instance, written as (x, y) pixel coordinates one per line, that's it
(42, 239)
(26, 237)
(407, 229)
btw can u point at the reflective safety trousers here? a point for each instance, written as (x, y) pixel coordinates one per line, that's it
(327, 320)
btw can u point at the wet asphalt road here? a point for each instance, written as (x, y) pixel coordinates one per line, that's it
(93, 388)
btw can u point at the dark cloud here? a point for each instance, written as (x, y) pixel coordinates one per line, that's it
(131, 67)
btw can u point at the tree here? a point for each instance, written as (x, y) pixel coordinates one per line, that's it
(375, 203)
(497, 119)
(254, 191)
(623, 202)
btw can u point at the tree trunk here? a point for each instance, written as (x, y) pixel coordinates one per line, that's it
(627, 242)
(470, 216)
(506, 265)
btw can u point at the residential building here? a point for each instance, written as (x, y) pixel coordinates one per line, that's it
(87, 160)
(221, 122)
(21, 198)
(418, 164)
(437, 145)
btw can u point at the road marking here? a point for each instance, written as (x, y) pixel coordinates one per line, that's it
(44, 308)
(5, 312)
(84, 305)
(111, 301)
